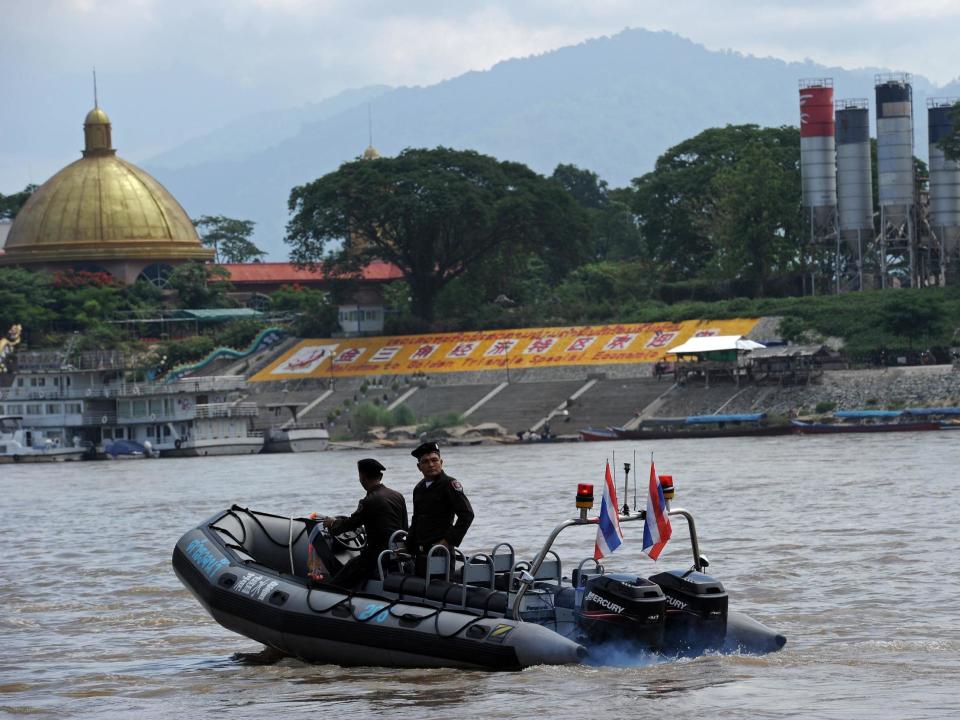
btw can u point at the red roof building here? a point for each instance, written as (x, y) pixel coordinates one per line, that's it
(362, 314)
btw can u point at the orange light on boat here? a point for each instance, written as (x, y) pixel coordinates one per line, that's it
(585, 495)
(666, 482)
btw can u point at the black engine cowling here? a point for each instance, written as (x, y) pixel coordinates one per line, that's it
(620, 607)
(696, 616)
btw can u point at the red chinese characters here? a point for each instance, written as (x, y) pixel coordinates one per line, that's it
(349, 355)
(660, 339)
(539, 345)
(581, 343)
(500, 347)
(620, 342)
(424, 351)
(385, 354)
(462, 349)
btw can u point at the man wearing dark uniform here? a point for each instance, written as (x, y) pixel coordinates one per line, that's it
(437, 500)
(382, 512)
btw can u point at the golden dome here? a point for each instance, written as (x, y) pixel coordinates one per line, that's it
(101, 208)
(370, 153)
(96, 117)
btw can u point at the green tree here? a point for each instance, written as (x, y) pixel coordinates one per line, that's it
(756, 218)
(315, 315)
(437, 215)
(585, 186)
(676, 203)
(229, 238)
(84, 300)
(10, 204)
(201, 286)
(25, 299)
(614, 232)
(951, 142)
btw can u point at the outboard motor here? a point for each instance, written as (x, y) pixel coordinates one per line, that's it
(621, 607)
(696, 610)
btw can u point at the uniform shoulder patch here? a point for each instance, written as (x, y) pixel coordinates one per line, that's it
(456, 485)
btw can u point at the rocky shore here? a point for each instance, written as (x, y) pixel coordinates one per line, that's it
(880, 388)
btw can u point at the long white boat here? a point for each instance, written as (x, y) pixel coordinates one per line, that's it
(99, 399)
(25, 445)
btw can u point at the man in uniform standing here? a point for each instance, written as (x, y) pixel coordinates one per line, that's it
(382, 512)
(437, 500)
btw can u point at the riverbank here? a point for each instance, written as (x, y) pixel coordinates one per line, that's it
(880, 388)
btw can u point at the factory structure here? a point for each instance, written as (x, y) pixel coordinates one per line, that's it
(908, 233)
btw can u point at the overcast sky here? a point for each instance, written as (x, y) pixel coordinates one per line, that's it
(172, 69)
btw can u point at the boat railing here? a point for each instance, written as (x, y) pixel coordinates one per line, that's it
(99, 418)
(220, 410)
(527, 578)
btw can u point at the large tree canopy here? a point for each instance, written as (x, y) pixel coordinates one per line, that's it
(681, 208)
(437, 215)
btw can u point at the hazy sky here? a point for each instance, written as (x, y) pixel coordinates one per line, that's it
(172, 69)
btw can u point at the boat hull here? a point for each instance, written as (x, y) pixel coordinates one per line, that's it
(214, 448)
(44, 457)
(841, 428)
(622, 434)
(325, 624)
(296, 440)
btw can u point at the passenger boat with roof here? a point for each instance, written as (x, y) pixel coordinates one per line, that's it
(704, 426)
(252, 572)
(870, 421)
(29, 445)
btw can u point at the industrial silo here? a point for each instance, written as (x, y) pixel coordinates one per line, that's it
(854, 187)
(818, 170)
(944, 188)
(895, 179)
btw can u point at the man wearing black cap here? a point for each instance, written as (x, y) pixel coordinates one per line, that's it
(437, 499)
(382, 512)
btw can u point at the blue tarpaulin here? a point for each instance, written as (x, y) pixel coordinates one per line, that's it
(854, 414)
(704, 419)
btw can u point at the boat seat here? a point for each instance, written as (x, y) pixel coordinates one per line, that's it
(448, 593)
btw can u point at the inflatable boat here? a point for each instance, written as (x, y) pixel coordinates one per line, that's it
(254, 574)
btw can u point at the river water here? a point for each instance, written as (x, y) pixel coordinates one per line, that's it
(846, 545)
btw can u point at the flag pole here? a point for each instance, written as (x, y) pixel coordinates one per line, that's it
(626, 487)
(635, 506)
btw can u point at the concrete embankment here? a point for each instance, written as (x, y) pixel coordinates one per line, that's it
(568, 399)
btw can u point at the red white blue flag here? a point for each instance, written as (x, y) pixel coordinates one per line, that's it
(609, 535)
(656, 526)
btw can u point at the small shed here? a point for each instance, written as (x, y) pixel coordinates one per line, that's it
(712, 356)
(789, 364)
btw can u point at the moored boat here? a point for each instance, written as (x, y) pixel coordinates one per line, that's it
(28, 445)
(704, 426)
(593, 434)
(297, 438)
(865, 421)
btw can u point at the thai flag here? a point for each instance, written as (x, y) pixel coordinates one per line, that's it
(609, 535)
(656, 526)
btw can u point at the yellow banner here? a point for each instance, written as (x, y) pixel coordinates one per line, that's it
(492, 349)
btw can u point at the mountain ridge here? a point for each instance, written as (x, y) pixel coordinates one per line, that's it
(611, 104)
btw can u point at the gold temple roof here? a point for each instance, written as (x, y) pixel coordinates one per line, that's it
(101, 207)
(370, 153)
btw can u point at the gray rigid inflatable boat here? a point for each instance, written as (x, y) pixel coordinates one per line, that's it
(249, 570)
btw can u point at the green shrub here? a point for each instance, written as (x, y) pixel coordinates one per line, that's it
(438, 422)
(825, 406)
(367, 415)
(402, 415)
